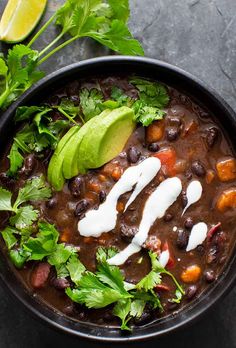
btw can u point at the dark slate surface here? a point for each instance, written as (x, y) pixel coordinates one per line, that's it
(200, 37)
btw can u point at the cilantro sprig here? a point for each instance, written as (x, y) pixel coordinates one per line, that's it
(102, 20)
(24, 215)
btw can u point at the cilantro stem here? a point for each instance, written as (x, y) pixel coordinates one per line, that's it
(58, 48)
(51, 44)
(67, 116)
(175, 281)
(41, 30)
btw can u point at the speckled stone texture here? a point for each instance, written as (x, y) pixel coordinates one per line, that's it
(200, 37)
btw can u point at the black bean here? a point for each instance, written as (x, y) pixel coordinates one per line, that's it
(188, 175)
(153, 147)
(182, 239)
(172, 305)
(133, 154)
(29, 165)
(175, 121)
(188, 223)
(81, 207)
(184, 199)
(200, 249)
(75, 99)
(127, 232)
(60, 283)
(212, 135)
(168, 217)
(123, 154)
(212, 254)
(108, 316)
(210, 276)
(102, 196)
(76, 186)
(68, 310)
(144, 318)
(198, 168)
(7, 181)
(51, 203)
(172, 134)
(191, 291)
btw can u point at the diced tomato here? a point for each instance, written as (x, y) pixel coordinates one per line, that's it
(168, 160)
(213, 230)
(171, 262)
(162, 287)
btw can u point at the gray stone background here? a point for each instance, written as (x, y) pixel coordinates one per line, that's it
(200, 37)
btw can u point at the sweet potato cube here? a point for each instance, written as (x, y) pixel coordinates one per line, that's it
(226, 169)
(227, 199)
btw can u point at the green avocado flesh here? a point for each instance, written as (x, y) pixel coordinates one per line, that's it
(106, 139)
(55, 176)
(97, 142)
(70, 164)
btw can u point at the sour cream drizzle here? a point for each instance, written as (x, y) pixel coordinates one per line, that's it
(104, 218)
(197, 235)
(157, 204)
(193, 193)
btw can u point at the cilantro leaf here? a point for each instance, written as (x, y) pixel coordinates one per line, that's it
(16, 159)
(44, 243)
(91, 103)
(149, 281)
(153, 97)
(178, 296)
(118, 38)
(34, 189)
(24, 113)
(5, 200)
(24, 217)
(137, 308)
(75, 268)
(122, 310)
(18, 257)
(8, 236)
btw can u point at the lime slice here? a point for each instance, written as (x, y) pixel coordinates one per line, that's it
(19, 18)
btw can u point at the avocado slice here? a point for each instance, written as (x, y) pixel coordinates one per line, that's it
(70, 163)
(106, 139)
(55, 176)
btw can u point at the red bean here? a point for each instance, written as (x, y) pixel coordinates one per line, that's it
(40, 275)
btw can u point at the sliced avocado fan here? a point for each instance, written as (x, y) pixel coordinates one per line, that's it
(97, 142)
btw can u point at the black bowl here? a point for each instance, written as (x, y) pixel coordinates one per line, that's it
(173, 77)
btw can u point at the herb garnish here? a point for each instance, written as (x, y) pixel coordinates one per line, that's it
(101, 20)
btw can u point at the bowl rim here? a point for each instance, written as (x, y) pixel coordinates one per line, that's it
(202, 306)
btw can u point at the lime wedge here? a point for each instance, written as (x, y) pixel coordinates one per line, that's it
(19, 18)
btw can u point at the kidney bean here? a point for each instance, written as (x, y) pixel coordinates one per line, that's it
(188, 223)
(209, 276)
(212, 135)
(40, 275)
(76, 186)
(29, 165)
(133, 154)
(51, 203)
(102, 196)
(168, 217)
(127, 233)
(60, 283)
(172, 134)
(81, 207)
(198, 169)
(153, 147)
(191, 291)
(182, 239)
